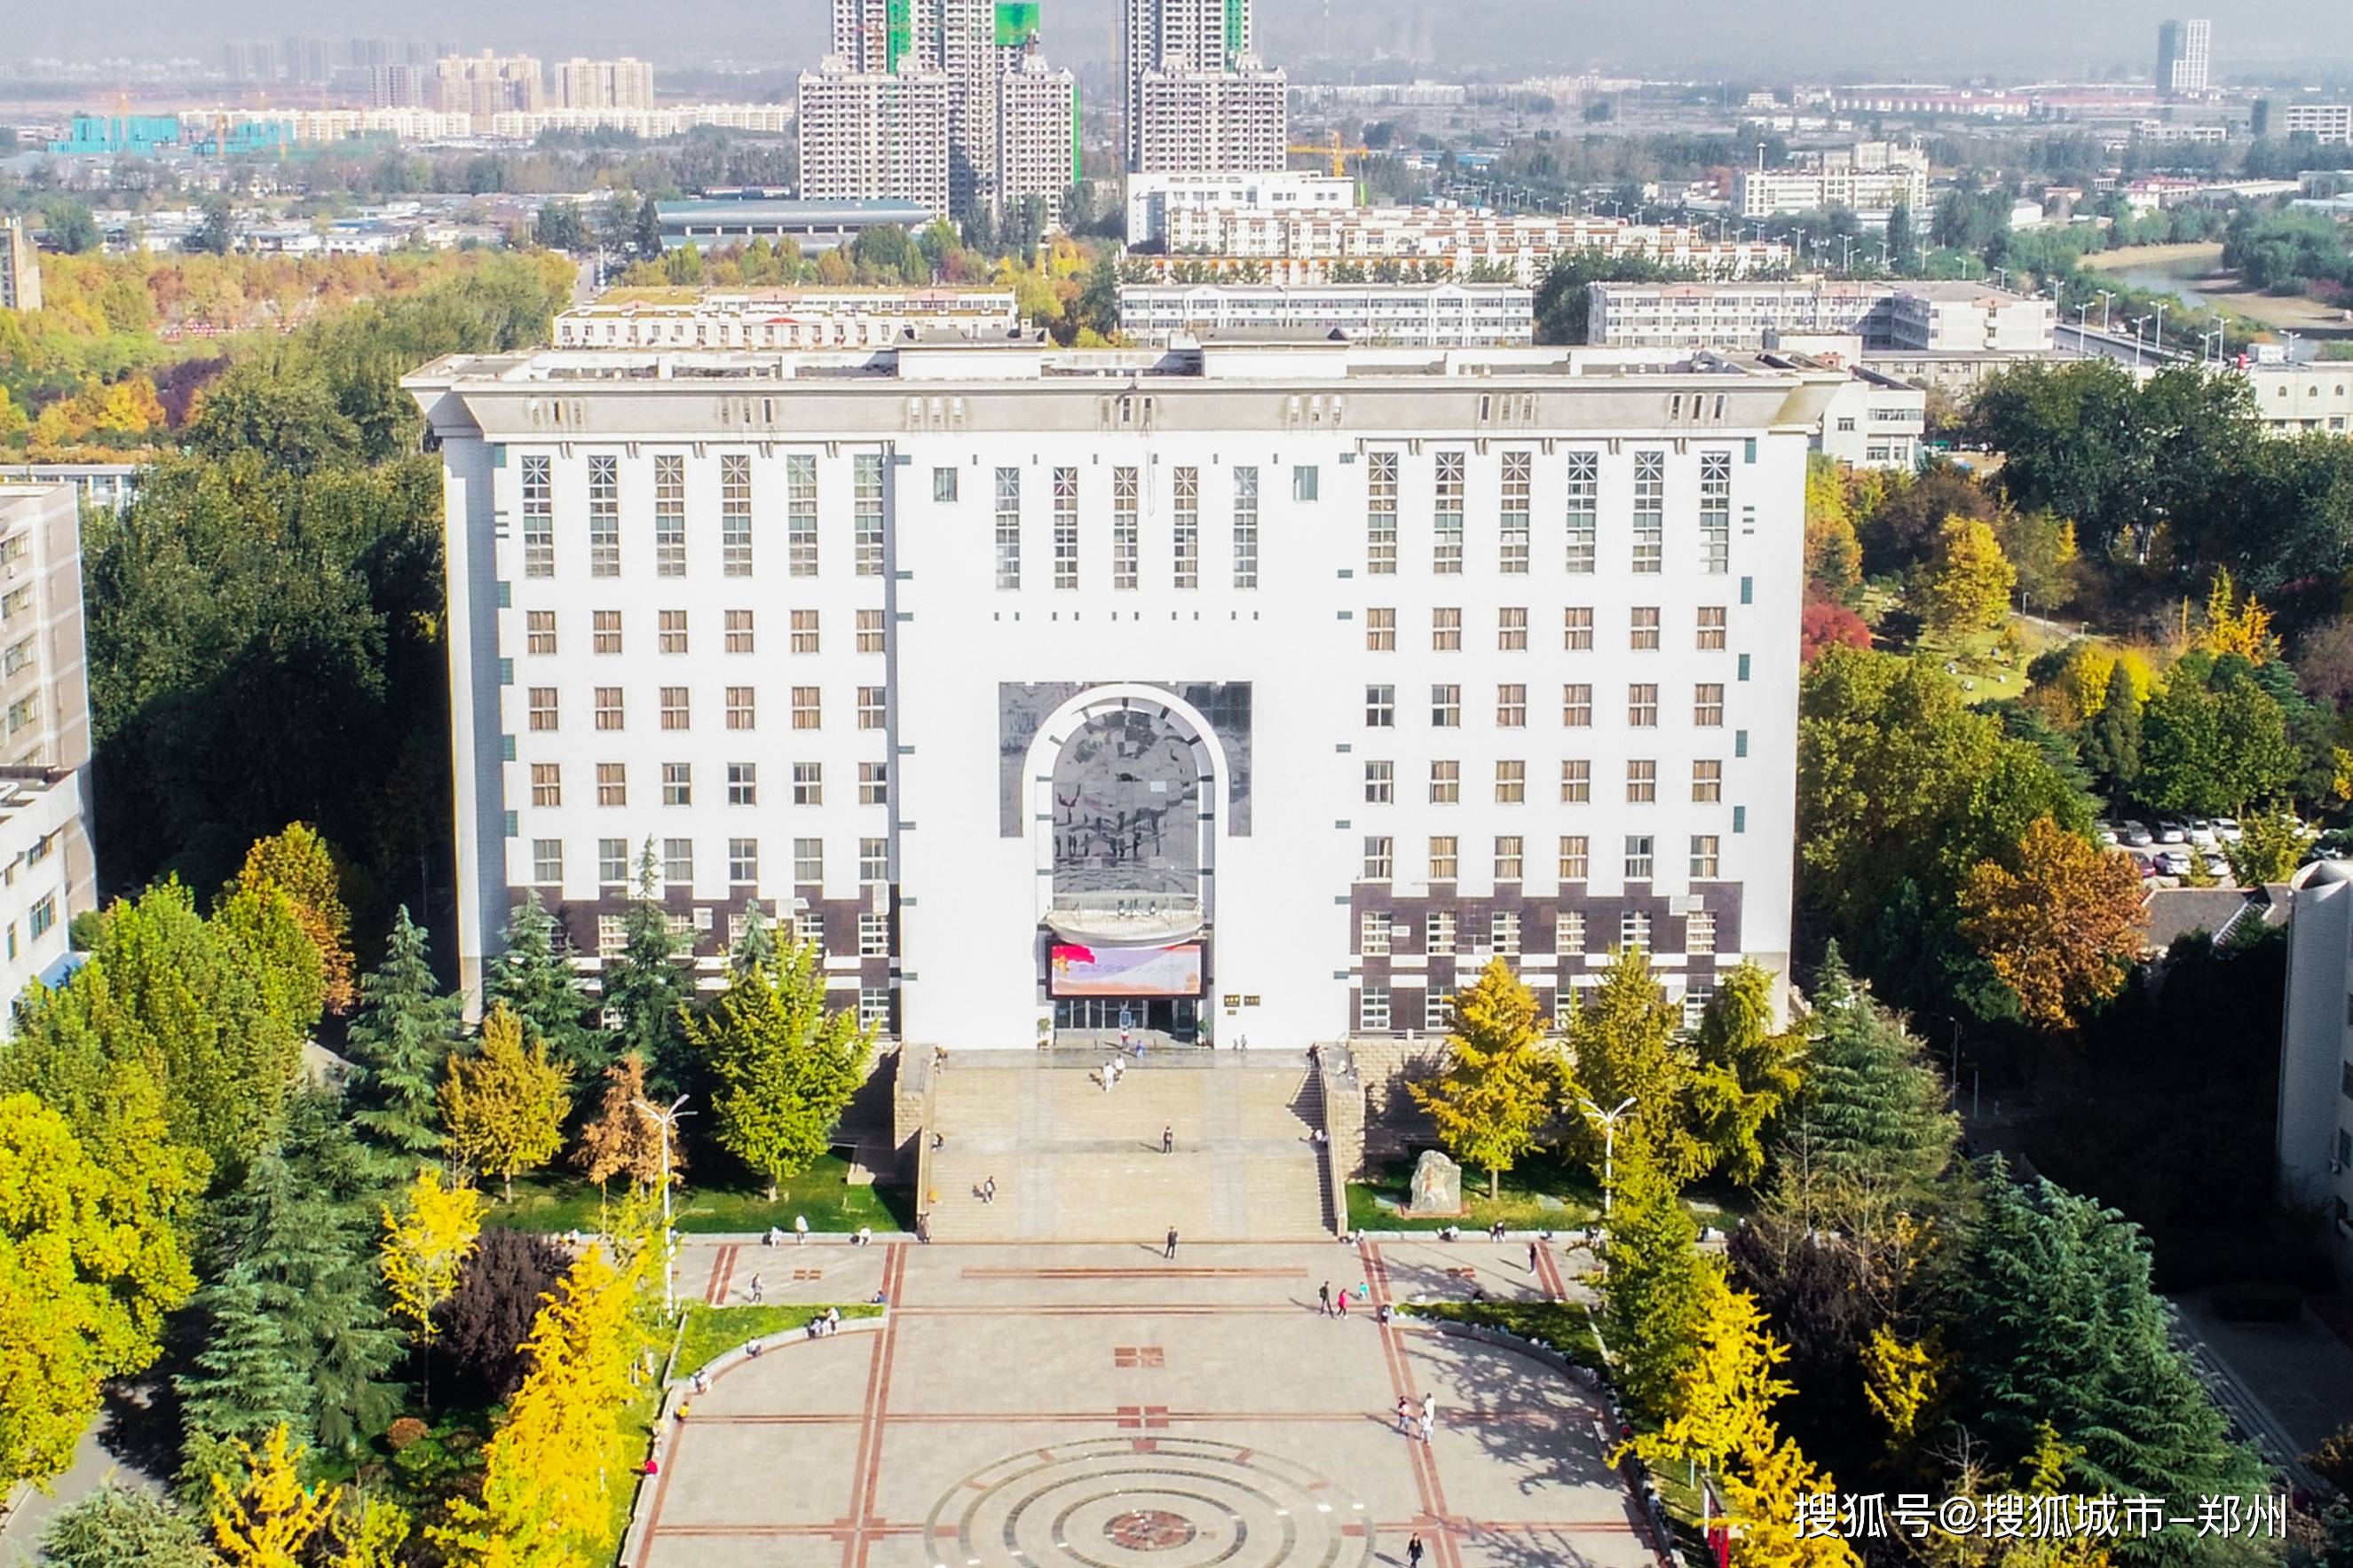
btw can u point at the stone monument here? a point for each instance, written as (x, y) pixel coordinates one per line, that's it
(1437, 1186)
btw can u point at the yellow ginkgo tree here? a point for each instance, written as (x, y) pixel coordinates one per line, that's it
(269, 1521)
(427, 1241)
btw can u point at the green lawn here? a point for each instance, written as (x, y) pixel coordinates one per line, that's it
(1563, 1325)
(709, 1331)
(823, 1193)
(1541, 1176)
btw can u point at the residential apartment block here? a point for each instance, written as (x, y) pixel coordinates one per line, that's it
(875, 135)
(1151, 198)
(488, 83)
(2326, 124)
(1282, 683)
(1036, 137)
(49, 871)
(1196, 96)
(624, 83)
(2184, 56)
(1416, 315)
(1298, 244)
(20, 267)
(1870, 179)
(1938, 316)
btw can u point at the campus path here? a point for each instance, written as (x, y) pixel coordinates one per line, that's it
(1101, 1406)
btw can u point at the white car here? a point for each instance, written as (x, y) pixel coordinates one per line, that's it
(2134, 834)
(2172, 863)
(2227, 829)
(2106, 832)
(2201, 832)
(2171, 831)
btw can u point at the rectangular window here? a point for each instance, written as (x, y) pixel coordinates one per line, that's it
(1642, 706)
(1008, 529)
(604, 631)
(1574, 857)
(539, 631)
(1380, 857)
(874, 1009)
(1704, 848)
(1438, 940)
(866, 514)
(1445, 783)
(1699, 933)
(943, 485)
(735, 515)
(1373, 1009)
(1650, 511)
(1444, 853)
(800, 514)
(1513, 555)
(1066, 528)
(1569, 932)
(1576, 782)
(677, 784)
(1380, 707)
(1634, 930)
(1576, 705)
(612, 861)
(1381, 631)
(1708, 782)
(871, 711)
(743, 784)
(808, 784)
(873, 934)
(610, 936)
(678, 862)
(670, 516)
(1707, 705)
(609, 714)
(1741, 670)
(808, 711)
(674, 712)
(809, 925)
(1511, 857)
(1380, 783)
(1437, 1010)
(1716, 512)
(1584, 509)
(870, 631)
(1504, 925)
(1446, 517)
(1185, 528)
(547, 784)
(538, 518)
(742, 711)
(742, 860)
(670, 631)
(806, 631)
(1512, 629)
(1713, 625)
(546, 862)
(1643, 632)
(1445, 706)
(873, 860)
(604, 517)
(873, 784)
(1511, 782)
(1640, 853)
(1246, 527)
(1381, 515)
(808, 864)
(1576, 629)
(613, 787)
(1446, 631)
(1510, 707)
(1373, 934)
(739, 636)
(543, 708)
(1641, 782)
(1126, 539)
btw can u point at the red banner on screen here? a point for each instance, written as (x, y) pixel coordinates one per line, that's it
(1127, 971)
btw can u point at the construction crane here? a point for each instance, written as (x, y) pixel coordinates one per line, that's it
(1333, 150)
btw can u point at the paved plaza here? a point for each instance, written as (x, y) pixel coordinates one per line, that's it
(1101, 1406)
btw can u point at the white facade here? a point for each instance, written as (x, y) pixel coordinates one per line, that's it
(1873, 421)
(2324, 122)
(1871, 178)
(48, 867)
(1416, 315)
(1346, 667)
(2184, 54)
(2316, 1089)
(1037, 137)
(1929, 316)
(874, 136)
(624, 83)
(1235, 119)
(1151, 198)
(1311, 239)
(2294, 399)
(785, 319)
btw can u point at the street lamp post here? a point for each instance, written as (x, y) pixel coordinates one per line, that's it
(2158, 351)
(1608, 1119)
(2105, 294)
(668, 1121)
(2083, 316)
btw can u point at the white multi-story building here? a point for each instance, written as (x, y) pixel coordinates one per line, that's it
(1283, 683)
(875, 135)
(1873, 421)
(785, 319)
(2324, 122)
(1151, 198)
(624, 83)
(2315, 1084)
(2292, 399)
(1035, 136)
(1870, 179)
(1196, 94)
(1299, 244)
(20, 267)
(49, 871)
(487, 83)
(2184, 53)
(1939, 316)
(1414, 315)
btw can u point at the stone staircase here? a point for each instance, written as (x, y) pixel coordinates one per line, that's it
(1073, 1162)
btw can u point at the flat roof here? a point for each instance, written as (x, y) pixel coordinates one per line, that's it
(791, 211)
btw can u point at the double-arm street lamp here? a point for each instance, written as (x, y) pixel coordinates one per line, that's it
(668, 1121)
(1609, 1120)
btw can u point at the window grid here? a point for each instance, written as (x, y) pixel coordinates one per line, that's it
(1576, 782)
(1576, 705)
(1584, 509)
(1008, 529)
(1446, 707)
(604, 517)
(1576, 629)
(1185, 528)
(1446, 517)
(670, 516)
(1575, 856)
(1512, 629)
(1373, 1009)
(1707, 705)
(1510, 706)
(539, 631)
(546, 783)
(866, 514)
(1380, 857)
(873, 784)
(546, 862)
(1436, 1009)
(1380, 707)
(1504, 925)
(735, 516)
(604, 631)
(613, 788)
(808, 709)
(742, 710)
(1706, 850)
(1380, 783)
(808, 868)
(1438, 935)
(1713, 627)
(612, 861)
(873, 859)
(538, 517)
(543, 708)
(743, 784)
(1444, 857)
(669, 631)
(1126, 545)
(1246, 527)
(1643, 630)
(1513, 541)
(871, 711)
(1066, 528)
(800, 514)
(1708, 782)
(808, 631)
(1373, 934)
(674, 712)
(1446, 630)
(1699, 933)
(1716, 512)
(609, 711)
(1445, 783)
(742, 860)
(677, 784)
(1381, 516)
(740, 631)
(870, 631)
(1641, 782)
(1634, 930)
(1640, 852)
(1381, 631)
(1642, 706)
(808, 784)
(1511, 782)
(1650, 511)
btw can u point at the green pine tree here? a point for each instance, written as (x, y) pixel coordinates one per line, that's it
(124, 1527)
(1622, 1044)
(244, 1384)
(645, 986)
(534, 977)
(2112, 739)
(1649, 1289)
(401, 1035)
(783, 1066)
(1746, 1073)
(755, 949)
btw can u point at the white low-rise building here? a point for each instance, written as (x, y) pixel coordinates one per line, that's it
(1303, 244)
(785, 319)
(1873, 421)
(2296, 399)
(1416, 315)
(49, 871)
(1272, 687)
(1954, 317)
(1151, 198)
(1870, 179)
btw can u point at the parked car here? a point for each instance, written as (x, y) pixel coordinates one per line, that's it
(2134, 834)
(2171, 863)
(2201, 832)
(2228, 830)
(2107, 833)
(2217, 863)
(2171, 830)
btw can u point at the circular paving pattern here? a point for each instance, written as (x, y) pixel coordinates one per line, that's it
(1168, 1503)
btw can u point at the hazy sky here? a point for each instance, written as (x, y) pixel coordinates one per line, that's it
(1749, 38)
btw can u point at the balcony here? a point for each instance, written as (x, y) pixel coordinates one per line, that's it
(1125, 919)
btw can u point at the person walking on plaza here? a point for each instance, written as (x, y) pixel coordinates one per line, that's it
(1405, 1416)
(755, 1291)
(1413, 1552)
(1168, 1140)
(988, 1191)
(1532, 1258)
(800, 1230)
(1170, 1250)
(1341, 1310)
(1428, 1415)
(1323, 1299)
